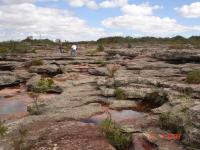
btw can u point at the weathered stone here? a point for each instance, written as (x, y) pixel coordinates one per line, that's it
(32, 82)
(122, 104)
(120, 52)
(8, 79)
(178, 56)
(46, 69)
(194, 113)
(98, 72)
(107, 92)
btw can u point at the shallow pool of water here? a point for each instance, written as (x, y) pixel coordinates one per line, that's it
(117, 116)
(13, 101)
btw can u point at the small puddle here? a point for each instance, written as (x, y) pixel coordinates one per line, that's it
(13, 102)
(117, 116)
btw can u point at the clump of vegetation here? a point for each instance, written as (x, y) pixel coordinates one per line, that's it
(112, 70)
(178, 46)
(172, 122)
(129, 45)
(15, 47)
(102, 63)
(44, 85)
(3, 129)
(120, 94)
(193, 77)
(157, 97)
(100, 48)
(19, 139)
(37, 62)
(34, 109)
(115, 135)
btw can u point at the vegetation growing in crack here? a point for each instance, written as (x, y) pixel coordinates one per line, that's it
(18, 139)
(115, 134)
(120, 94)
(102, 63)
(171, 121)
(112, 70)
(193, 77)
(44, 85)
(37, 62)
(3, 128)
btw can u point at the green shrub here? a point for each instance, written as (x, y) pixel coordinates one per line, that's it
(37, 62)
(129, 45)
(34, 109)
(3, 129)
(170, 121)
(193, 77)
(102, 63)
(115, 135)
(100, 48)
(44, 85)
(120, 94)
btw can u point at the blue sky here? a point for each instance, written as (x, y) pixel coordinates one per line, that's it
(76, 20)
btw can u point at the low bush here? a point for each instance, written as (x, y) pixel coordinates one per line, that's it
(120, 94)
(37, 62)
(102, 63)
(115, 134)
(3, 129)
(15, 47)
(100, 48)
(44, 85)
(19, 139)
(129, 45)
(193, 77)
(112, 70)
(170, 121)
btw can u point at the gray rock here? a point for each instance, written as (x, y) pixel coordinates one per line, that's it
(107, 92)
(31, 85)
(8, 79)
(194, 113)
(46, 69)
(122, 104)
(178, 56)
(98, 72)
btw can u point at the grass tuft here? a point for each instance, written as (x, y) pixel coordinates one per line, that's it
(115, 135)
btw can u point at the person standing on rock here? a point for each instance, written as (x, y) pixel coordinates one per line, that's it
(73, 50)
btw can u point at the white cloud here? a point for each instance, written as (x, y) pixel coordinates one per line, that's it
(147, 24)
(143, 9)
(21, 20)
(9, 2)
(140, 18)
(80, 3)
(113, 3)
(190, 11)
(94, 5)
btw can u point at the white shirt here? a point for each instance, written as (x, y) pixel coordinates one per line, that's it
(74, 47)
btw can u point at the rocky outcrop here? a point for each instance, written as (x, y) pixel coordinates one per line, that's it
(123, 104)
(8, 79)
(98, 72)
(46, 69)
(32, 83)
(123, 52)
(178, 56)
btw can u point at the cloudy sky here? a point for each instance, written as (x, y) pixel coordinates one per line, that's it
(76, 20)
